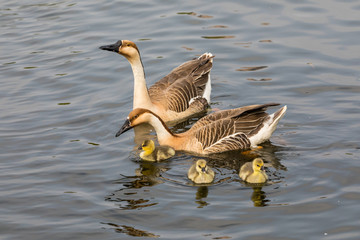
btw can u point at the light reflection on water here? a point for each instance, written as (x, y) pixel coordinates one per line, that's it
(64, 175)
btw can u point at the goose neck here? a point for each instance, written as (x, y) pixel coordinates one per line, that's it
(141, 95)
(163, 132)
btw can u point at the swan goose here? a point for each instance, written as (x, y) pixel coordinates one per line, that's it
(199, 172)
(184, 92)
(154, 154)
(253, 172)
(233, 129)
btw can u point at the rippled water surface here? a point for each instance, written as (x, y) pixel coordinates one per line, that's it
(63, 174)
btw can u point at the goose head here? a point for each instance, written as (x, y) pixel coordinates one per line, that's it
(135, 118)
(148, 146)
(258, 165)
(201, 166)
(126, 48)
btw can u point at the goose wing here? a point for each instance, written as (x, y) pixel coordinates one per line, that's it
(242, 115)
(221, 136)
(184, 83)
(229, 130)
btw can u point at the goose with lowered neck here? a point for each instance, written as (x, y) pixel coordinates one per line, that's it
(184, 92)
(226, 130)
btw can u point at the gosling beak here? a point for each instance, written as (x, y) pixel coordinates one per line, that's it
(140, 147)
(262, 168)
(203, 169)
(112, 47)
(125, 127)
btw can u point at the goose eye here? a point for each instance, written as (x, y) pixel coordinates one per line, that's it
(258, 165)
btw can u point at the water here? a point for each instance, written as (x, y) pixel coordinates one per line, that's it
(64, 175)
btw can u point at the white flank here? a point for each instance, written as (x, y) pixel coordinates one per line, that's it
(269, 127)
(206, 94)
(193, 99)
(207, 90)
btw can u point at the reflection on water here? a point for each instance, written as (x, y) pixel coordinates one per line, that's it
(217, 37)
(131, 231)
(148, 174)
(201, 193)
(259, 197)
(251, 68)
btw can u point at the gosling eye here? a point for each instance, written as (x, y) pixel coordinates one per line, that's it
(258, 165)
(199, 166)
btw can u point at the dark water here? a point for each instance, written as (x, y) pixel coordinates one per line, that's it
(63, 174)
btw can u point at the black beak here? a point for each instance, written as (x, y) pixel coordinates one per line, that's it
(262, 168)
(140, 147)
(125, 127)
(203, 169)
(113, 47)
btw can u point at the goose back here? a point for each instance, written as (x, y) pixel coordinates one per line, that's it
(182, 84)
(228, 129)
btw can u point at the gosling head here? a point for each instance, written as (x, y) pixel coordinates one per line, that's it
(258, 165)
(201, 166)
(126, 48)
(148, 146)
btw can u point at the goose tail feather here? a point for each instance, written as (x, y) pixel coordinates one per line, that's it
(269, 126)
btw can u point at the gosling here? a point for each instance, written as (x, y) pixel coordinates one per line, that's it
(253, 172)
(150, 153)
(199, 172)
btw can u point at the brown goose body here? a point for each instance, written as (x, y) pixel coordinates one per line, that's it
(184, 92)
(234, 129)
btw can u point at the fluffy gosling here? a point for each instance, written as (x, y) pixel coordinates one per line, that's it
(253, 172)
(155, 154)
(199, 172)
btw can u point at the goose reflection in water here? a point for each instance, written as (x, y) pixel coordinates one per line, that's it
(148, 174)
(131, 231)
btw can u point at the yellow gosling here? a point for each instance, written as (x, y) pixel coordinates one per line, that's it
(253, 172)
(199, 172)
(155, 154)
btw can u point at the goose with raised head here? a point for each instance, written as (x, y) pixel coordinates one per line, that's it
(234, 129)
(200, 172)
(155, 154)
(184, 92)
(253, 172)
